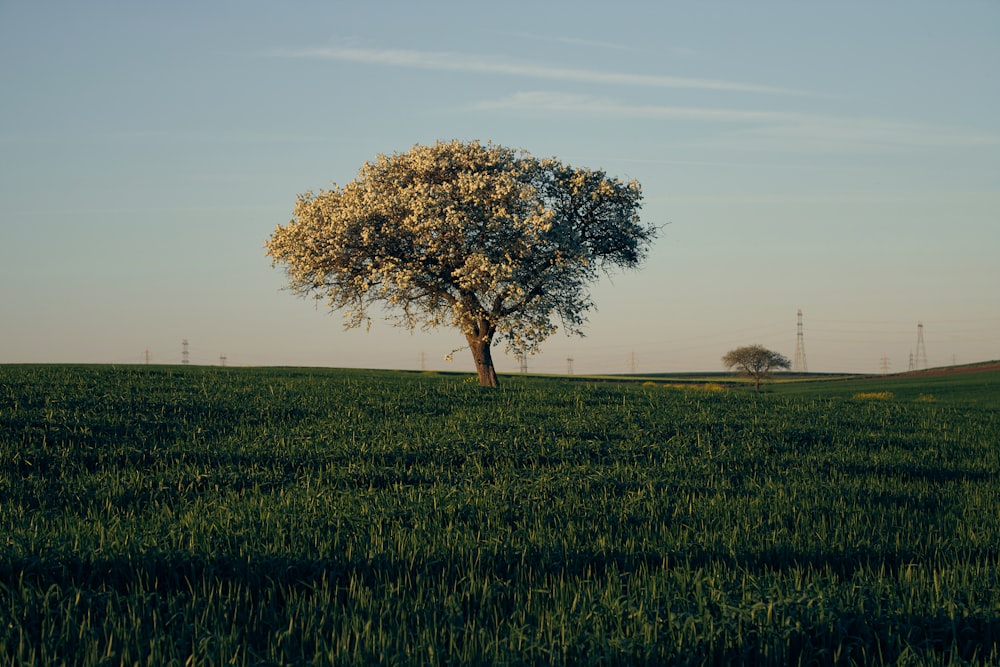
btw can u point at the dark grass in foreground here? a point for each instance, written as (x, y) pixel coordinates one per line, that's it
(251, 516)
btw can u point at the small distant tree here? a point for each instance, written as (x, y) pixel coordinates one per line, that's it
(756, 361)
(483, 238)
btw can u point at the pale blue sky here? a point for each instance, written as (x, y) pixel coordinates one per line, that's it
(842, 158)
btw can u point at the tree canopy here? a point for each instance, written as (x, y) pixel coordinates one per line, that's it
(480, 237)
(756, 361)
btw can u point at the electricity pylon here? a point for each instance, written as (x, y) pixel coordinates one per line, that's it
(921, 360)
(799, 365)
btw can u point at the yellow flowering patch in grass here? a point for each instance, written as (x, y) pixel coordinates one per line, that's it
(708, 386)
(874, 395)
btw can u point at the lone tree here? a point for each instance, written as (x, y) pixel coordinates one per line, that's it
(484, 238)
(756, 361)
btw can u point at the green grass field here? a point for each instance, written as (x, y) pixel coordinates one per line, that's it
(186, 515)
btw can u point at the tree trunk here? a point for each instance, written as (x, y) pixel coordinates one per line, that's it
(480, 346)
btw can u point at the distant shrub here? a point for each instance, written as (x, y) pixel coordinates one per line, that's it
(648, 384)
(874, 395)
(926, 398)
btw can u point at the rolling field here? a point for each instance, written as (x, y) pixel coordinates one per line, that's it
(187, 515)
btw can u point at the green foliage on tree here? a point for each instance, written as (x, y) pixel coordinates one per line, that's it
(756, 361)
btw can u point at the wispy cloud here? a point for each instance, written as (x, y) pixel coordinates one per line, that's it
(591, 105)
(872, 132)
(464, 62)
(790, 128)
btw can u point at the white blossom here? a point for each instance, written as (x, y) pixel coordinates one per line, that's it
(480, 237)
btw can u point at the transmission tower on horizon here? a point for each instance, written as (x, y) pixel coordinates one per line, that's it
(921, 360)
(799, 365)
(184, 352)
